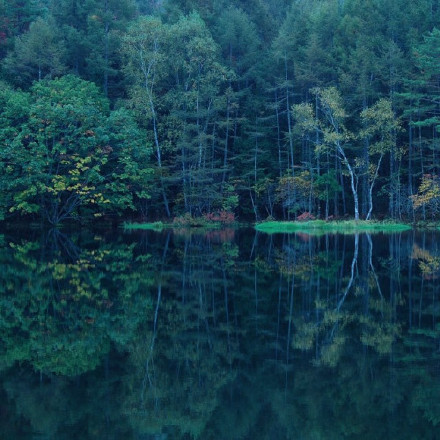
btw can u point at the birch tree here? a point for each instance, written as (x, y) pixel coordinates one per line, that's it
(329, 121)
(144, 48)
(380, 128)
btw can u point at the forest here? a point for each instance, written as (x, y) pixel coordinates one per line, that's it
(250, 110)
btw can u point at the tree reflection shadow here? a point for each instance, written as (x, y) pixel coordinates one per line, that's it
(184, 336)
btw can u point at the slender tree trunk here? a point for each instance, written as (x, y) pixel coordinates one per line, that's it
(277, 114)
(341, 182)
(410, 165)
(370, 189)
(148, 71)
(422, 166)
(225, 151)
(289, 121)
(353, 182)
(255, 168)
(106, 48)
(352, 271)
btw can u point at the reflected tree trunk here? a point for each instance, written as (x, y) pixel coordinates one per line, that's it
(370, 261)
(149, 365)
(352, 271)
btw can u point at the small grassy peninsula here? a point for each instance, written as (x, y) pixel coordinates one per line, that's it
(155, 226)
(322, 226)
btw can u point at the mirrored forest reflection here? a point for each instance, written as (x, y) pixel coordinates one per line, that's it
(225, 334)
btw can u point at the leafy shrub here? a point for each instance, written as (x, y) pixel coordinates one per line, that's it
(211, 218)
(187, 220)
(225, 217)
(305, 217)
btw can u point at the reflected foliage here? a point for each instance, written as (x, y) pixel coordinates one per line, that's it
(218, 335)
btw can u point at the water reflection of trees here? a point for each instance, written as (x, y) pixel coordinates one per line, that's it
(63, 304)
(221, 336)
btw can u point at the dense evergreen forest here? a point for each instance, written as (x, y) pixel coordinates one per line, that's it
(156, 109)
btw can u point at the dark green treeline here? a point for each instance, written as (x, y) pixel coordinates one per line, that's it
(155, 109)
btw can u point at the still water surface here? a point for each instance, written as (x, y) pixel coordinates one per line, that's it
(221, 335)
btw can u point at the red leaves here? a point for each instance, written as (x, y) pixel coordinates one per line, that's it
(305, 217)
(221, 217)
(225, 217)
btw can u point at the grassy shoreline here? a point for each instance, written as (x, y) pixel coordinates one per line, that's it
(345, 226)
(159, 226)
(155, 226)
(273, 227)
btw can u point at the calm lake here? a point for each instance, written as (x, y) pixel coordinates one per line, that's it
(227, 334)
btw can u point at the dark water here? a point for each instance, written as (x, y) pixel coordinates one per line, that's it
(223, 335)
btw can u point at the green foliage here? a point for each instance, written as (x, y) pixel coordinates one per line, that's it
(38, 54)
(295, 192)
(234, 94)
(68, 153)
(176, 84)
(380, 124)
(239, 41)
(59, 314)
(327, 185)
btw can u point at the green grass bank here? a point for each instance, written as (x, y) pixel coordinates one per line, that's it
(155, 226)
(344, 227)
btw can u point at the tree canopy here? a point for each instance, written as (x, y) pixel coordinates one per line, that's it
(210, 98)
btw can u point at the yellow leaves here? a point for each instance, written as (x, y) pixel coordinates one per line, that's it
(300, 181)
(331, 353)
(379, 116)
(359, 162)
(380, 127)
(331, 103)
(80, 165)
(59, 271)
(428, 193)
(72, 273)
(305, 336)
(99, 254)
(372, 168)
(304, 117)
(81, 289)
(59, 184)
(334, 316)
(301, 184)
(420, 254)
(379, 335)
(74, 187)
(429, 264)
(333, 137)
